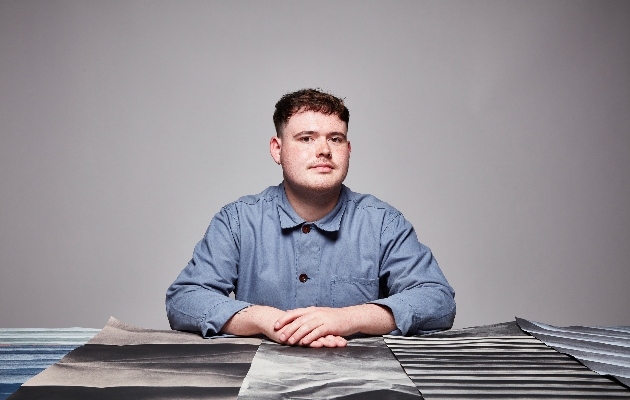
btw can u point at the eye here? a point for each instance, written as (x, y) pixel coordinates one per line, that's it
(305, 139)
(336, 139)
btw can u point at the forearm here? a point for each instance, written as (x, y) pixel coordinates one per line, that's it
(253, 320)
(371, 319)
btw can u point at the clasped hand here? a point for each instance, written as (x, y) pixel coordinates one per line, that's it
(311, 326)
(315, 327)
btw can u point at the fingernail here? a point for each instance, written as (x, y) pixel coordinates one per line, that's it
(283, 336)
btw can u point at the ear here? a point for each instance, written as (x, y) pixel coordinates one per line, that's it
(275, 145)
(349, 148)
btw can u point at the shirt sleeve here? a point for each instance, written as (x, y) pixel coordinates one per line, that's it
(199, 299)
(412, 284)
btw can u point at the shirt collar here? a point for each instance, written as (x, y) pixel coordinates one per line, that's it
(331, 222)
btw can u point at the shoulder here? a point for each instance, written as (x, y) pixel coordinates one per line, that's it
(269, 195)
(369, 204)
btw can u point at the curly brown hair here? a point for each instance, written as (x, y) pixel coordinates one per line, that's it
(308, 100)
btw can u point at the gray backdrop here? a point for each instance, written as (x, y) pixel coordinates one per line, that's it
(500, 129)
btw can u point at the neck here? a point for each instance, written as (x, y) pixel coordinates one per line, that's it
(312, 205)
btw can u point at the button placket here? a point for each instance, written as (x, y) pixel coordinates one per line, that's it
(308, 258)
(306, 228)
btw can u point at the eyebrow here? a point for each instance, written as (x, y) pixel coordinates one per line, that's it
(315, 132)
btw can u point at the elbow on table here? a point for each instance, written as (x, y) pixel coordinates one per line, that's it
(179, 320)
(442, 323)
(442, 319)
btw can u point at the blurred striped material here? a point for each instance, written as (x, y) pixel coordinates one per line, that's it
(26, 352)
(500, 367)
(605, 350)
(42, 336)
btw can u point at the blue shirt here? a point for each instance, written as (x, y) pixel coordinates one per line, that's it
(363, 251)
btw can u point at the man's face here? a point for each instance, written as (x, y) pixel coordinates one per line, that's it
(314, 152)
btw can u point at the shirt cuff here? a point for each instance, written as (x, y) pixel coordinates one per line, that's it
(217, 316)
(403, 314)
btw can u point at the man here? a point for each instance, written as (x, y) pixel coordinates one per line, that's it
(309, 260)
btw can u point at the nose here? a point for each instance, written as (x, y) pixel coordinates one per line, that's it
(323, 148)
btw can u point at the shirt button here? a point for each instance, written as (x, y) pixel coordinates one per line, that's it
(303, 278)
(306, 228)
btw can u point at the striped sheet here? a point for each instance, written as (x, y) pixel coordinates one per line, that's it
(605, 350)
(25, 353)
(500, 367)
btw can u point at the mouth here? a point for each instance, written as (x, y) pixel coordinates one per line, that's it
(322, 167)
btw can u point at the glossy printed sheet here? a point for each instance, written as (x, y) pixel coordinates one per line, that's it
(365, 369)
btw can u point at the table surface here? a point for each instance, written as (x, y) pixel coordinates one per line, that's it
(497, 361)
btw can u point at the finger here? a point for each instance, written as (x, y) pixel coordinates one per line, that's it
(316, 344)
(308, 326)
(335, 341)
(321, 342)
(289, 331)
(328, 341)
(314, 334)
(288, 317)
(301, 326)
(341, 341)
